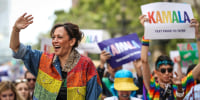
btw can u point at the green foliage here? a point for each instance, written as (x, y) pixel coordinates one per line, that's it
(106, 14)
(118, 17)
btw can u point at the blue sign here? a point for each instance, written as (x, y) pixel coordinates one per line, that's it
(4, 73)
(123, 49)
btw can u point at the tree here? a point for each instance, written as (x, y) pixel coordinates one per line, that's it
(118, 17)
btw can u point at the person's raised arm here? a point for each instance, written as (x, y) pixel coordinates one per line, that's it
(138, 64)
(196, 70)
(179, 70)
(144, 57)
(104, 56)
(21, 23)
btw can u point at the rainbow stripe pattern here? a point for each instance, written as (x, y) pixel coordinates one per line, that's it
(154, 91)
(145, 41)
(49, 80)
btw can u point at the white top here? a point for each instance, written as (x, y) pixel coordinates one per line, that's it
(116, 98)
(193, 94)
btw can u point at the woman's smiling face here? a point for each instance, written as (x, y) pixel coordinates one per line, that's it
(61, 42)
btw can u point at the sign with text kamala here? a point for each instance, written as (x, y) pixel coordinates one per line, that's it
(90, 40)
(123, 49)
(168, 20)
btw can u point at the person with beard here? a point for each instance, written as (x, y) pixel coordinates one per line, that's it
(167, 87)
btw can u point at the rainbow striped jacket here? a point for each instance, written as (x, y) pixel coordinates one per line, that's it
(83, 82)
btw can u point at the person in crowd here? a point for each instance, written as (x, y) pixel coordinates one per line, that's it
(8, 91)
(155, 76)
(124, 85)
(107, 82)
(31, 81)
(63, 75)
(139, 80)
(23, 88)
(191, 67)
(167, 87)
(193, 94)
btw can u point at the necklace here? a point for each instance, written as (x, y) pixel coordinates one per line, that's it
(167, 88)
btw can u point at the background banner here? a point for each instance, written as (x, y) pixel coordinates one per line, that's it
(188, 53)
(123, 49)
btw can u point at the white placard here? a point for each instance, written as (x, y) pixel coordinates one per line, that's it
(46, 45)
(168, 20)
(90, 40)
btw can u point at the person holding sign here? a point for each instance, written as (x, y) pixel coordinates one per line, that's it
(63, 75)
(167, 87)
(108, 81)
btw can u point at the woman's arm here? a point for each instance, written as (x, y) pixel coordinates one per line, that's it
(196, 70)
(21, 23)
(144, 58)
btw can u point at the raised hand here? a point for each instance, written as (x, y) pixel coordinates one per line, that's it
(104, 56)
(137, 63)
(23, 21)
(177, 59)
(195, 23)
(176, 80)
(143, 19)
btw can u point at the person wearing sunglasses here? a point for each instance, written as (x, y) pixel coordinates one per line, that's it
(8, 91)
(167, 87)
(31, 81)
(23, 88)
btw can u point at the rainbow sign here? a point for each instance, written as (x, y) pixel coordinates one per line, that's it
(188, 53)
(168, 20)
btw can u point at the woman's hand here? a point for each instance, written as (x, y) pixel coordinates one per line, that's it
(143, 19)
(195, 23)
(23, 21)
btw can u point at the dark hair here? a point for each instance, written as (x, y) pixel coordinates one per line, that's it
(163, 59)
(190, 67)
(72, 30)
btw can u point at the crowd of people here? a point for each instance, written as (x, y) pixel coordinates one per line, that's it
(20, 89)
(68, 75)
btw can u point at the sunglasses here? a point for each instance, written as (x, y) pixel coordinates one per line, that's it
(20, 80)
(29, 79)
(163, 70)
